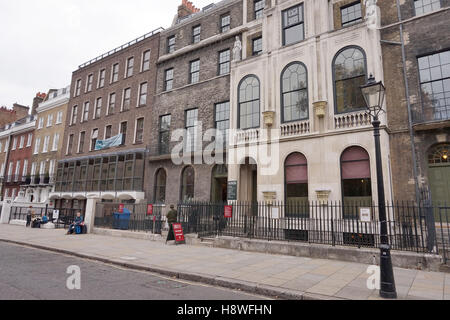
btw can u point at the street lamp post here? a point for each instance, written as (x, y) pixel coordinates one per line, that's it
(373, 93)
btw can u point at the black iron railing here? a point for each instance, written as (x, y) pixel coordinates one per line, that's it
(61, 217)
(410, 227)
(134, 217)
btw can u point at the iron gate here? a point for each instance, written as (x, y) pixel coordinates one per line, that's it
(443, 233)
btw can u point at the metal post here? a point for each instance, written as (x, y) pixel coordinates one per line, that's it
(387, 274)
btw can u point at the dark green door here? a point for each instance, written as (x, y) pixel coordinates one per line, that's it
(439, 176)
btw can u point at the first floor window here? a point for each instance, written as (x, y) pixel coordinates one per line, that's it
(195, 71)
(257, 46)
(94, 138)
(164, 134)
(191, 130)
(139, 130)
(434, 72)
(86, 112)
(224, 62)
(108, 132)
(222, 123)
(249, 108)
(81, 142)
(168, 80)
(294, 86)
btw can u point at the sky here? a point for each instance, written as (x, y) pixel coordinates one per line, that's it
(43, 41)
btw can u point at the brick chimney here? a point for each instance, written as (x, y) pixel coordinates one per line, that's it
(40, 97)
(186, 9)
(21, 111)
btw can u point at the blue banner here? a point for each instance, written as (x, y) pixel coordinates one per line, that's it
(108, 143)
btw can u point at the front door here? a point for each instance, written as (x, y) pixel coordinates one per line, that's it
(439, 175)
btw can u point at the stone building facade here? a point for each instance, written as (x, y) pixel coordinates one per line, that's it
(107, 126)
(298, 86)
(418, 108)
(47, 145)
(192, 94)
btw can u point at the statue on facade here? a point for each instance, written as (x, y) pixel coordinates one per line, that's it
(237, 50)
(372, 14)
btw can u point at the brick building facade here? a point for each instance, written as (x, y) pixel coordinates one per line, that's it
(110, 100)
(192, 93)
(418, 117)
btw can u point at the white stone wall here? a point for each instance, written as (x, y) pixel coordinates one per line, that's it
(323, 144)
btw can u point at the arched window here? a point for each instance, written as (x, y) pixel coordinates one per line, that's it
(294, 87)
(356, 179)
(187, 184)
(160, 186)
(349, 70)
(439, 154)
(296, 179)
(249, 107)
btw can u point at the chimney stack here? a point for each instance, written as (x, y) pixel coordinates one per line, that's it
(186, 9)
(40, 97)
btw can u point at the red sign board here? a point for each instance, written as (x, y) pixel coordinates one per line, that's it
(178, 232)
(121, 207)
(228, 211)
(150, 210)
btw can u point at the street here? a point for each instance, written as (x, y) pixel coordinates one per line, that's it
(31, 274)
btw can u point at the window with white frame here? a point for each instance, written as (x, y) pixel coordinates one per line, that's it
(1, 145)
(10, 171)
(139, 130)
(81, 141)
(25, 168)
(33, 168)
(37, 145)
(6, 146)
(112, 103)
(74, 116)
(69, 145)
(14, 146)
(2, 170)
(98, 108)
(22, 142)
(85, 112)
(143, 88)
(51, 170)
(46, 143)
(17, 172)
(146, 60)
(50, 120)
(126, 99)
(101, 78)
(29, 139)
(130, 66)
(94, 138)
(41, 123)
(115, 73)
(78, 88)
(59, 117)
(90, 79)
(55, 142)
(42, 168)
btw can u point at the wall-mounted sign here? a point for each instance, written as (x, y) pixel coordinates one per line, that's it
(121, 207)
(365, 214)
(232, 190)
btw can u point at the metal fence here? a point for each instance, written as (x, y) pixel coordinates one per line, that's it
(63, 219)
(411, 227)
(107, 215)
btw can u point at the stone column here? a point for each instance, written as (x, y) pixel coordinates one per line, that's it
(6, 211)
(89, 218)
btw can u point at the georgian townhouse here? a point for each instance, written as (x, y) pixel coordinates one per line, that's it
(192, 95)
(416, 58)
(47, 145)
(107, 126)
(297, 85)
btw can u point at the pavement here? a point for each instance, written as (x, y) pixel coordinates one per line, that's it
(279, 276)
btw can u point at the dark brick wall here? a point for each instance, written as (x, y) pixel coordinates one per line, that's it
(337, 11)
(131, 115)
(422, 36)
(209, 21)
